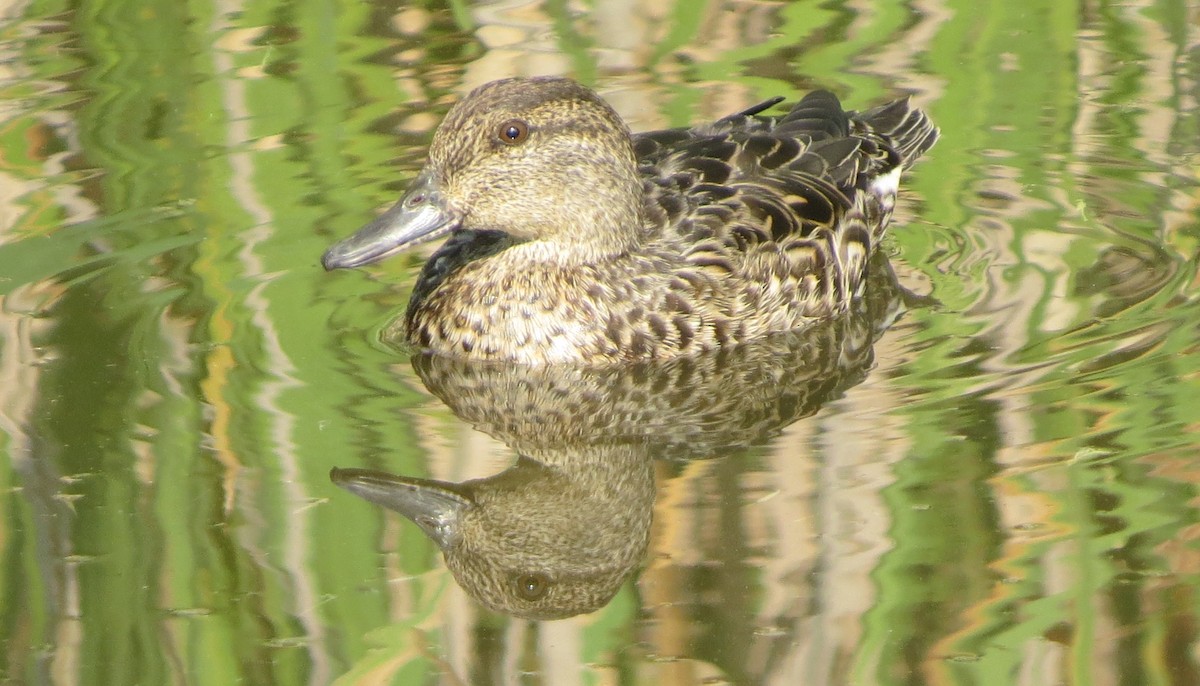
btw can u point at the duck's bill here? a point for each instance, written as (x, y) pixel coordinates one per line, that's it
(421, 215)
(435, 506)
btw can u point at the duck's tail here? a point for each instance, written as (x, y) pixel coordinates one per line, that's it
(906, 129)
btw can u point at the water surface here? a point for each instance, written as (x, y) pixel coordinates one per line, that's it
(1006, 493)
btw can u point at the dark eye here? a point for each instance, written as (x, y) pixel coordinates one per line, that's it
(513, 132)
(532, 586)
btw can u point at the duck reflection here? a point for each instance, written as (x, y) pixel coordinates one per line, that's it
(556, 534)
(541, 540)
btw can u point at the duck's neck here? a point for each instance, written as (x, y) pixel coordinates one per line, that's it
(603, 230)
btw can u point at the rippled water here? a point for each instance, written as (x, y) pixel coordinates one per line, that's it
(1001, 490)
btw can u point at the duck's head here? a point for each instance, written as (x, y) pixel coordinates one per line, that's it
(544, 160)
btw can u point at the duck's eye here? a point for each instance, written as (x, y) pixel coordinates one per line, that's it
(532, 586)
(513, 132)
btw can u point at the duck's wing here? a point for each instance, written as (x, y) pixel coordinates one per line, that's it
(748, 179)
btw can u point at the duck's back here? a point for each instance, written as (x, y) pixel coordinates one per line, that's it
(794, 203)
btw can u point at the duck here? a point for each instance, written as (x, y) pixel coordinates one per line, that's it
(571, 240)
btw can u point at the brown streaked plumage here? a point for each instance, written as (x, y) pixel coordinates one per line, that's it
(573, 241)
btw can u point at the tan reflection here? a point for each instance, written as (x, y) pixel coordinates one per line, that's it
(521, 39)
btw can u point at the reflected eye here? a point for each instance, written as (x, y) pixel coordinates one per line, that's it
(513, 132)
(532, 586)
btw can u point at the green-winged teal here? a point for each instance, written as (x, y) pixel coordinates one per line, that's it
(573, 241)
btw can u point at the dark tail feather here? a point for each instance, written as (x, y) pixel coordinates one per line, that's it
(908, 130)
(760, 107)
(744, 120)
